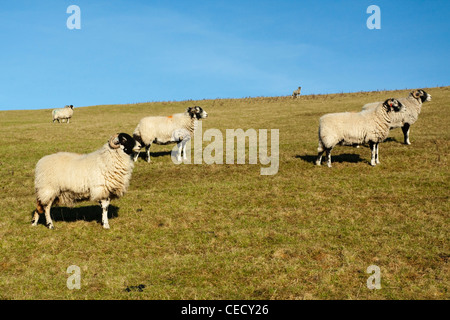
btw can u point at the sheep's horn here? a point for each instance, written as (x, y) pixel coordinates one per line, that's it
(416, 94)
(114, 141)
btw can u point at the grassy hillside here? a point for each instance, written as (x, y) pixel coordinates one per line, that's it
(225, 231)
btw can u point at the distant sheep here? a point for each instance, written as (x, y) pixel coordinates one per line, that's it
(297, 92)
(409, 114)
(62, 113)
(176, 128)
(351, 128)
(65, 178)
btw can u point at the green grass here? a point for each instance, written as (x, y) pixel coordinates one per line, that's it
(225, 231)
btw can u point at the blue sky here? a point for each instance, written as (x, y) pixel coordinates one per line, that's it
(140, 51)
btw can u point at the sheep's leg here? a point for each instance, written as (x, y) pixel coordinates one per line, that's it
(405, 130)
(35, 219)
(48, 218)
(373, 148)
(104, 204)
(185, 141)
(180, 147)
(377, 154)
(328, 151)
(184, 149)
(39, 210)
(319, 157)
(320, 151)
(147, 150)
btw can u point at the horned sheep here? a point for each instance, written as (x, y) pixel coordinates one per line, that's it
(65, 178)
(409, 114)
(176, 128)
(351, 128)
(62, 113)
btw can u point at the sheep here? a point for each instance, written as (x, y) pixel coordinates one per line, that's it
(177, 128)
(410, 113)
(62, 113)
(351, 128)
(65, 178)
(296, 93)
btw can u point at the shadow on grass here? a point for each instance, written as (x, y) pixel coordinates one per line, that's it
(343, 157)
(143, 154)
(88, 213)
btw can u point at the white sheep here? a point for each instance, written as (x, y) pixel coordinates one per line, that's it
(409, 114)
(351, 128)
(62, 113)
(177, 128)
(64, 178)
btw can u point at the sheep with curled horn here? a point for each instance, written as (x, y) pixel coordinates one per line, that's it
(409, 114)
(354, 128)
(177, 128)
(65, 178)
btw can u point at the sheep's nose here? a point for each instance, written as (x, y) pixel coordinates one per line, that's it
(137, 147)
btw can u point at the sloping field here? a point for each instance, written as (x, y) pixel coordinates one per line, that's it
(224, 231)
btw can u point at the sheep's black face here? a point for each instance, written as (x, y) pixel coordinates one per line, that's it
(197, 112)
(424, 96)
(128, 143)
(393, 105)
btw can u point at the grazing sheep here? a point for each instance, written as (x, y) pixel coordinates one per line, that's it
(351, 128)
(65, 178)
(409, 114)
(176, 128)
(62, 113)
(296, 93)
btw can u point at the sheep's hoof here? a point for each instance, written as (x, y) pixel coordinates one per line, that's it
(329, 165)
(106, 226)
(318, 163)
(50, 226)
